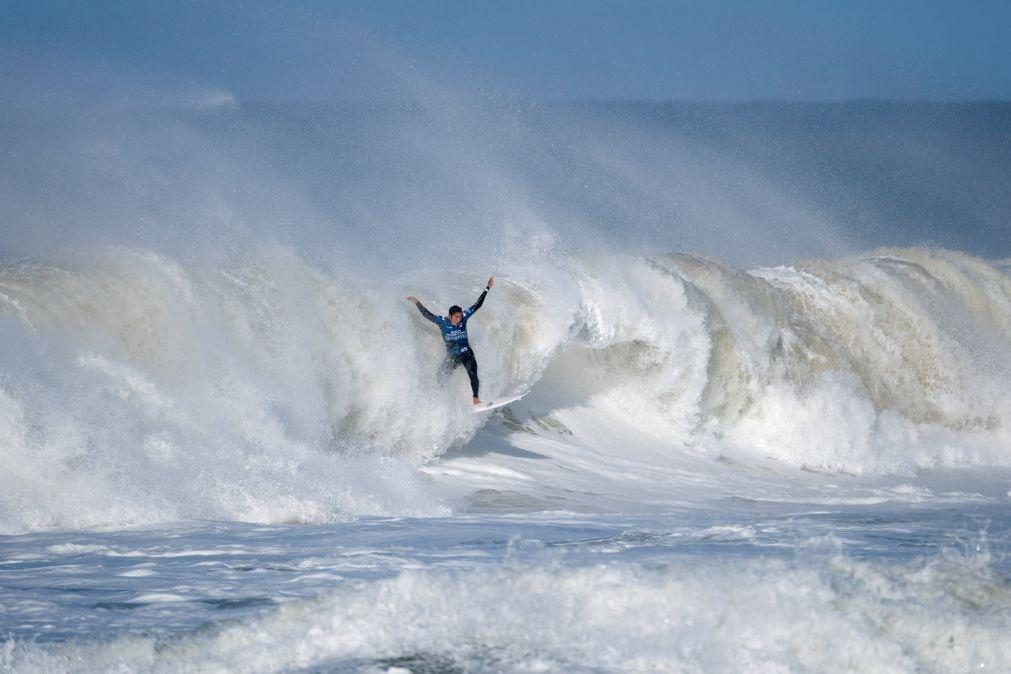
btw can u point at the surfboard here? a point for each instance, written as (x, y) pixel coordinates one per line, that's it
(495, 404)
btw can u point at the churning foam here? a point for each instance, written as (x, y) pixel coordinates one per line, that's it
(137, 388)
(828, 613)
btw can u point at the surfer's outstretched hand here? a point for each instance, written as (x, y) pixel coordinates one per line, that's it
(412, 298)
(491, 281)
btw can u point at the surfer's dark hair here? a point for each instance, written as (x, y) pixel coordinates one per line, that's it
(455, 310)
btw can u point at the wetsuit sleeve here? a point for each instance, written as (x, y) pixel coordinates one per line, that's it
(477, 305)
(427, 314)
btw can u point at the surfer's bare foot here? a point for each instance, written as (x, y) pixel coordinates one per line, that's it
(477, 401)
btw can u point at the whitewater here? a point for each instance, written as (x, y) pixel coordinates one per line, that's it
(215, 468)
(270, 392)
(765, 352)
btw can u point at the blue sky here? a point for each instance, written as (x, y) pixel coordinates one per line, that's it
(713, 51)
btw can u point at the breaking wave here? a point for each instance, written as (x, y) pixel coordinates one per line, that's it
(137, 388)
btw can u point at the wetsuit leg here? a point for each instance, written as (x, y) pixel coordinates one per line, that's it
(446, 368)
(470, 363)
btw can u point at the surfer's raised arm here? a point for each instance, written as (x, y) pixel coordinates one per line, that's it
(424, 312)
(480, 300)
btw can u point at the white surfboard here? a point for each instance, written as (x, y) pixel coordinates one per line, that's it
(495, 404)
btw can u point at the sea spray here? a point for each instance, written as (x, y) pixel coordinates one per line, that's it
(271, 390)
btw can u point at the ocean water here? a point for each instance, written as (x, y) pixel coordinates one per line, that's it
(767, 421)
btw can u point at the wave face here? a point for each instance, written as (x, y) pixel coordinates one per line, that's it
(139, 388)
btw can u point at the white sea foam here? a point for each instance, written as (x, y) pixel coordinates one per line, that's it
(141, 389)
(950, 613)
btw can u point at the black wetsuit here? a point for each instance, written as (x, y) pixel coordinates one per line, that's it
(458, 351)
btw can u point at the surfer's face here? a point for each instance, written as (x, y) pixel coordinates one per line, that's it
(456, 318)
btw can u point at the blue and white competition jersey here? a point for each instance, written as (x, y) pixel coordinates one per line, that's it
(455, 336)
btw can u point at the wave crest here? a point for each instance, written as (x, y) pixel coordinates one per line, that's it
(138, 388)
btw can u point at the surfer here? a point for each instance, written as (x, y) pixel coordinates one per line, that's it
(454, 334)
